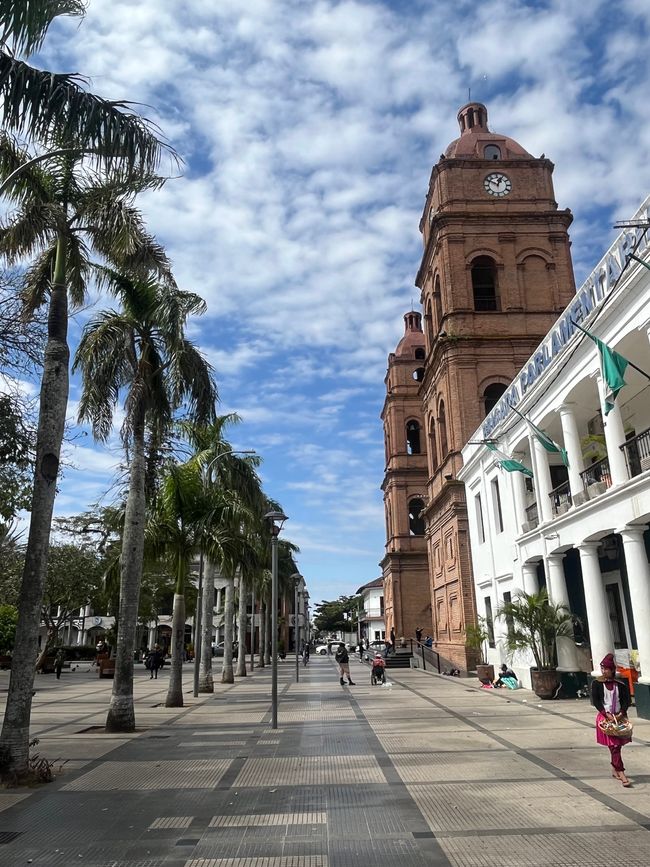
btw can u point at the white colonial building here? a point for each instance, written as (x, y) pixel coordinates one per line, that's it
(372, 626)
(582, 530)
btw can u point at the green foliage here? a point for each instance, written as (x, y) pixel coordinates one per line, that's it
(340, 615)
(476, 638)
(15, 460)
(8, 621)
(74, 578)
(535, 625)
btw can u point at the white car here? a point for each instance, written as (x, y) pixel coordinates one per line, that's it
(322, 649)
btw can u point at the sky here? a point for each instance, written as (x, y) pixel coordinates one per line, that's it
(308, 130)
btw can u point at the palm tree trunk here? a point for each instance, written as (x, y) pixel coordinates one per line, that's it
(175, 690)
(206, 680)
(227, 675)
(55, 387)
(241, 629)
(267, 635)
(121, 713)
(262, 641)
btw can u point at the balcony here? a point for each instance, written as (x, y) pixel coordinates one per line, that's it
(597, 478)
(637, 453)
(373, 613)
(561, 498)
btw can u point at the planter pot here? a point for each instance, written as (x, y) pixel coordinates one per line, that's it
(485, 673)
(545, 682)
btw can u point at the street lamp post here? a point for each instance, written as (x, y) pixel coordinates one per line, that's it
(199, 598)
(276, 520)
(297, 579)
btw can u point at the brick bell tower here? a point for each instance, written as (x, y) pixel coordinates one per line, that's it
(407, 598)
(495, 274)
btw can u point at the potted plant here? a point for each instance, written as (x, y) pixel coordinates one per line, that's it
(476, 639)
(534, 625)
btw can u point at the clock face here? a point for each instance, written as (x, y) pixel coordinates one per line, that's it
(497, 184)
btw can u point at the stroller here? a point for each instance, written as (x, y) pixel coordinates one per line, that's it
(378, 674)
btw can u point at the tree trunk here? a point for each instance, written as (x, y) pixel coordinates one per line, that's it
(55, 387)
(206, 680)
(227, 675)
(241, 629)
(121, 713)
(262, 641)
(267, 636)
(175, 690)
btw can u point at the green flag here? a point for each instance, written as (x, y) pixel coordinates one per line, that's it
(545, 439)
(508, 463)
(613, 368)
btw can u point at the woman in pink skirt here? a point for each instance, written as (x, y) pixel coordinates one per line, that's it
(611, 698)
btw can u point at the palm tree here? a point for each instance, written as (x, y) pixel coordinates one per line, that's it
(48, 107)
(62, 217)
(141, 351)
(232, 472)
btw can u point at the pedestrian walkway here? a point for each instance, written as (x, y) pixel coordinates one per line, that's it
(428, 771)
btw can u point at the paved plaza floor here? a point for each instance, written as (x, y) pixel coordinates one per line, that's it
(428, 771)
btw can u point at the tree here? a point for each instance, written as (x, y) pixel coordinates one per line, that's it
(140, 353)
(535, 624)
(341, 615)
(49, 108)
(174, 536)
(62, 216)
(15, 459)
(8, 621)
(74, 579)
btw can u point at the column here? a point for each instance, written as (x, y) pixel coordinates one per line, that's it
(153, 633)
(567, 654)
(218, 611)
(614, 438)
(600, 626)
(519, 491)
(638, 576)
(574, 450)
(530, 580)
(542, 482)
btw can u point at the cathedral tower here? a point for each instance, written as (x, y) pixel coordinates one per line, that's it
(495, 273)
(407, 598)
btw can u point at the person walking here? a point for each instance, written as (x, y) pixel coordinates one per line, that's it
(392, 639)
(154, 661)
(341, 656)
(611, 698)
(418, 635)
(59, 659)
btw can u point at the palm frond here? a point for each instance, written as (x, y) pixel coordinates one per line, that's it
(29, 230)
(118, 232)
(191, 382)
(38, 277)
(31, 182)
(24, 24)
(53, 108)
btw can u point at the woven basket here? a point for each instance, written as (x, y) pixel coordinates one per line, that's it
(620, 729)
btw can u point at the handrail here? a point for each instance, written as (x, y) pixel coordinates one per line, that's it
(637, 453)
(423, 649)
(597, 472)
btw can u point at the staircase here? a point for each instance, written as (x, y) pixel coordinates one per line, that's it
(400, 659)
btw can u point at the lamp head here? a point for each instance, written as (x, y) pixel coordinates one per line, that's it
(296, 578)
(276, 519)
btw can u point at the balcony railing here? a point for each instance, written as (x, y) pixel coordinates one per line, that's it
(561, 498)
(373, 613)
(598, 472)
(637, 453)
(532, 516)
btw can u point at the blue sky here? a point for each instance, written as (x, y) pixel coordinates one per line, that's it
(309, 130)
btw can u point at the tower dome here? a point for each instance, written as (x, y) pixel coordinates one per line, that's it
(476, 141)
(413, 335)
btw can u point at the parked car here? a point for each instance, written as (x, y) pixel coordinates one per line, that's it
(322, 649)
(217, 649)
(375, 647)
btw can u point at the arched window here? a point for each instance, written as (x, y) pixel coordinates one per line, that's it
(484, 283)
(419, 353)
(492, 395)
(418, 374)
(433, 449)
(429, 325)
(492, 152)
(442, 425)
(437, 305)
(416, 521)
(413, 438)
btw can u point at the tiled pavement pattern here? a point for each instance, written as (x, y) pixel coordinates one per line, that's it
(430, 771)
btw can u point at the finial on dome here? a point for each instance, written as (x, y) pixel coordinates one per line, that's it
(472, 118)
